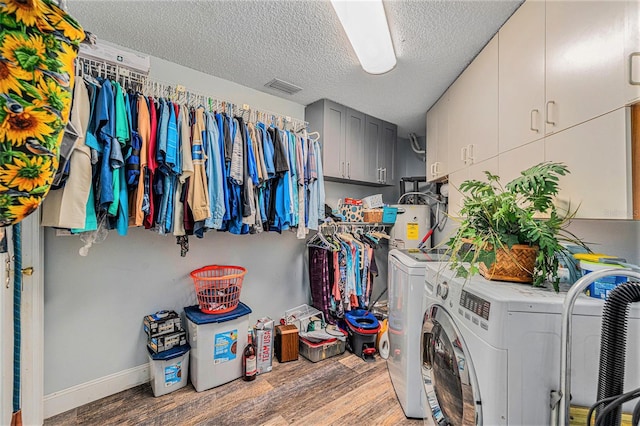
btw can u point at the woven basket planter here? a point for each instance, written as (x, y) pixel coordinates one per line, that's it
(515, 264)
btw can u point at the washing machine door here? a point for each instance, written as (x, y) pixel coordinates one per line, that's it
(447, 371)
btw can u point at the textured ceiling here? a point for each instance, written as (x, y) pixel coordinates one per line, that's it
(251, 41)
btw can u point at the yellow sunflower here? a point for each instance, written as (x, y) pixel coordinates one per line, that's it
(26, 206)
(27, 53)
(25, 11)
(8, 81)
(69, 27)
(27, 174)
(67, 56)
(30, 122)
(53, 95)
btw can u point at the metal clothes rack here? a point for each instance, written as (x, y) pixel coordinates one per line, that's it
(138, 79)
(560, 399)
(181, 94)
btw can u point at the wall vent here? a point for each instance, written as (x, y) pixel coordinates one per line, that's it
(283, 86)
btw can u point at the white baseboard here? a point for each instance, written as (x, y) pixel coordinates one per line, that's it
(84, 393)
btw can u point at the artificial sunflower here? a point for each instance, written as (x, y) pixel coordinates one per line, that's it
(25, 11)
(25, 206)
(30, 122)
(27, 52)
(27, 174)
(8, 80)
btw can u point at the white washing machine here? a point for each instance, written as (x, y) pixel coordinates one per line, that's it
(490, 351)
(406, 304)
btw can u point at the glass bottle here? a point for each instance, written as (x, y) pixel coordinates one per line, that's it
(249, 360)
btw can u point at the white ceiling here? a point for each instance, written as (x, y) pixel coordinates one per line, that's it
(251, 42)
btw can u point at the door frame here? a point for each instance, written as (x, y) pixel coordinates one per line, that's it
(32, 330)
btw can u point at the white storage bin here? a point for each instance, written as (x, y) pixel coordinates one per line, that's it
(217, 342)
(169, 369)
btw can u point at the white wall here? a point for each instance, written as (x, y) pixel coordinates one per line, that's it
(94, 305)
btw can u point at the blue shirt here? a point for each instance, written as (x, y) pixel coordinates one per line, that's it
(214, 170)
(105, 119)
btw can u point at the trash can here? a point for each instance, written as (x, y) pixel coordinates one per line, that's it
(168, 369)
(217, 342)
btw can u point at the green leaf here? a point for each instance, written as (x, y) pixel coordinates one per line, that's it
(27, 58)
(31, 90)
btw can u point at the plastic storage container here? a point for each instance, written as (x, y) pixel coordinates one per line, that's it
(168, 369)
(217, 342)
(389, 214)
(600, 288)
(315, 352)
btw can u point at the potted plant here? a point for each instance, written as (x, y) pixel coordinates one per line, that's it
(517, 223)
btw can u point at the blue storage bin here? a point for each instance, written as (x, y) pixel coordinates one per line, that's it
(389, 214)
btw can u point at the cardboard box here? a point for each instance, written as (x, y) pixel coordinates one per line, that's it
(162, 322)
(263, 339)
(167, 341)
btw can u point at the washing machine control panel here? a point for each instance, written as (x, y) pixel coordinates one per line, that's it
(475, 304)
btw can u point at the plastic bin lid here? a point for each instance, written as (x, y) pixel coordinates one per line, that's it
(196, 316)
(172, 353)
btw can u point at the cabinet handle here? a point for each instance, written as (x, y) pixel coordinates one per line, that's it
(431, 169)
(631, 80)
(548, 114)
(436, 166)
(342, 168)
(470, 149)
(384, 175)
(532, 122)
(463, 154)
(348, 169)
(379, 175)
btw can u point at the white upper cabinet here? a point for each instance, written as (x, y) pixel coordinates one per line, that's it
(632, 51)
(585, 62)
(473, 111)
(521, 77)
(438, 139)
(596, 154)
(511, 163)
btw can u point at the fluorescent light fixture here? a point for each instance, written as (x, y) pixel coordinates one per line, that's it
(365, 23)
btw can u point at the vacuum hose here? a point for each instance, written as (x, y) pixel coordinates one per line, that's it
(613, 347)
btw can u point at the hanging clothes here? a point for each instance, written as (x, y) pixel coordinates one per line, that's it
(341, 271)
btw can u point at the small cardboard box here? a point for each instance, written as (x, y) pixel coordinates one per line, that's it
(286, 343)
(162, 322)
(263, 332)
(167, 341)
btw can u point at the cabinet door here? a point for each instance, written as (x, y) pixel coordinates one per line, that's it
(521, 77)
(474, 111)
(596, 154)
(373, 139)
(454, 201)
(585, 64)
(356, 148)
(333, 136)
(438, 139)
(511, 163)
(387, 153)
(632, 51)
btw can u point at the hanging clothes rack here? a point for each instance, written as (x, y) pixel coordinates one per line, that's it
(182, 94)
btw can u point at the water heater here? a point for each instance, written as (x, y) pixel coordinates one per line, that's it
(412, 224)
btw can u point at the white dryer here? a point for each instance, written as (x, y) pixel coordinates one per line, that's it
(490, 351)
(406, 304)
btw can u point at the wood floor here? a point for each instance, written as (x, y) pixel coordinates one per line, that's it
(343, 390)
